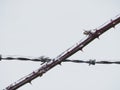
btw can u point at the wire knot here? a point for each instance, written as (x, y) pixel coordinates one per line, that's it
(91, 62)
(44, 59)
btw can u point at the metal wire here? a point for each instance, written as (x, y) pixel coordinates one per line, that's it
(44, 59)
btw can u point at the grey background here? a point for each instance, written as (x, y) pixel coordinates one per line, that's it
(49, 27)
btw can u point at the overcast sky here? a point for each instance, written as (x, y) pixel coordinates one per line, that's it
(48, 27)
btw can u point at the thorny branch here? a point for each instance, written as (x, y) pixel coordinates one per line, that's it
(78, 46)
(44, 59)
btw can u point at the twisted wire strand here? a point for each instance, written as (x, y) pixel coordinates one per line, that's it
(44, 59)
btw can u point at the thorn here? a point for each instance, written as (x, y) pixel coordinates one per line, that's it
(113, 27)
(81, 50)
(30, 83)
(98, 37)
(60, 63)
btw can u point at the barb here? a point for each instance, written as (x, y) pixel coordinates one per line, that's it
(44, 59)
(78, 46)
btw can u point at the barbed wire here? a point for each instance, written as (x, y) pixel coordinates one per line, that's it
(44, 59)
(93, 62)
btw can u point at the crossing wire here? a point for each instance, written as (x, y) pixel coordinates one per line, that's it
(44, 59)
